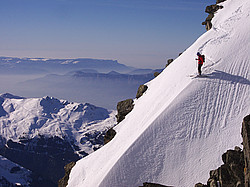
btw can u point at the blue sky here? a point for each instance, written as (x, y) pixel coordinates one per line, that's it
(139, 33)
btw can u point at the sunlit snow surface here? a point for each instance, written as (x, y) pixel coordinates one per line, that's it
(179, 129)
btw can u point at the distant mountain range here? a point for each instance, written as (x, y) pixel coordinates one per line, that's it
(42, 65)
(100, 82)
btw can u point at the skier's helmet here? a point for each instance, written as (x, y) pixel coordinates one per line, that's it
(198, 54)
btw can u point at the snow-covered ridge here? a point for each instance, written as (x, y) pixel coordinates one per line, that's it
(49, 117)
(180, 127)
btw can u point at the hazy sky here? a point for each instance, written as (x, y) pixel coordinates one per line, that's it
(139, 33)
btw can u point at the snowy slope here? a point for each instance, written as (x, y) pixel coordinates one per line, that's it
(179, 129)
(32, 117)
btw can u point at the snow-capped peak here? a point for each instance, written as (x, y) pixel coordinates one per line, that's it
(49, 117)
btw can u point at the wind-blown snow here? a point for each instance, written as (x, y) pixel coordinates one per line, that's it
(180, 127)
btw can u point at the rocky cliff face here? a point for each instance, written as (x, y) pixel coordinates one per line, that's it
(235, 172)
(246, 148)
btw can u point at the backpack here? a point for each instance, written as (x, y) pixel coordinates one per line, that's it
(203, 58)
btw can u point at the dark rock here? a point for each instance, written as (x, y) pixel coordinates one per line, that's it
(211, 11)
(146, 184)
(64, 181)
(200, 185)
(208, 22)
(110, 134)
(219, 1)
(15, 169)
(213, 8)
(233, 157)
(123, 108)
(156, 74)
(208, 25)
(141, 90)
(230, 174)
(245, 132)
(83, 153)
(169, 61)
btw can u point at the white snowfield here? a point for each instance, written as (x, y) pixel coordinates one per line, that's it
(179, 129)
(48, 116)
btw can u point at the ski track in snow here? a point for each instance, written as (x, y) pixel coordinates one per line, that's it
(181, 126)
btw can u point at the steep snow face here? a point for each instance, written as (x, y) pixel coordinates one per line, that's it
(27, 118)
(180, 127)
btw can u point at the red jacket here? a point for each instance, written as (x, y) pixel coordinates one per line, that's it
(200, 60)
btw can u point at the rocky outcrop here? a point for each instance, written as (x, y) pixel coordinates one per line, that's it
(219, 1)
(156, 74)
(200, 185)
(146, 184)
(213, 8)
(245, 132)
(230, 174)
(235, 172)
(141, 90)
(110, 134)
(169, 61)
(123, 108)
(211, 11)
(64, 181)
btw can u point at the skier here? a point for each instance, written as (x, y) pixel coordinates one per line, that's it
(200, 62)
